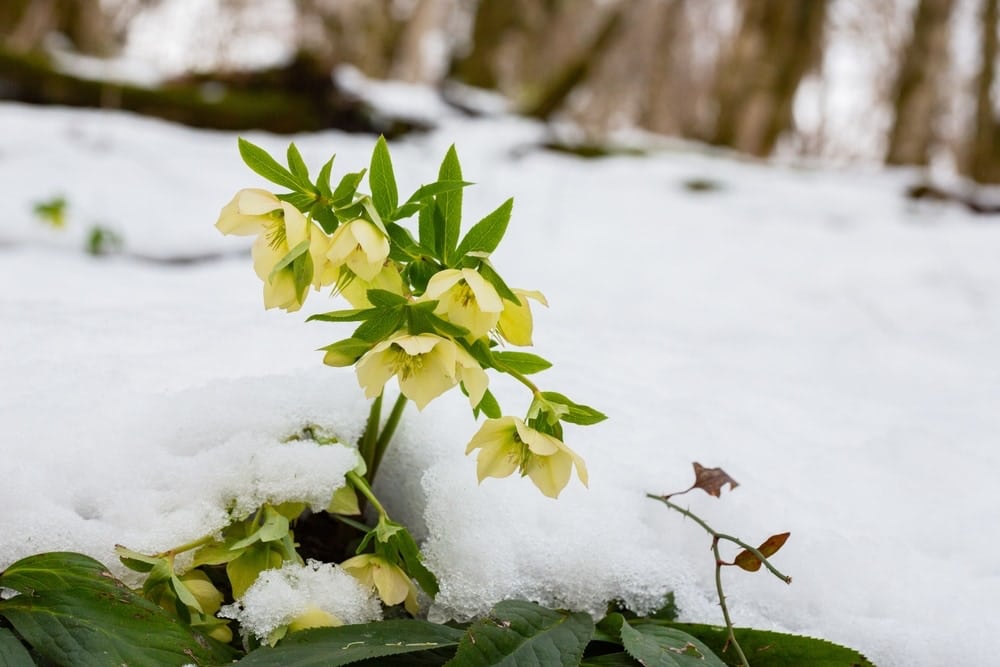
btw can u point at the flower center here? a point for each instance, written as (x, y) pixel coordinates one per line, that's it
(405, 365)
(276, 231)
(465, 295)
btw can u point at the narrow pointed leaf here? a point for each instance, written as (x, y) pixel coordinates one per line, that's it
(344, 193)
(383, 180)
(522, 362)
(290, 257)
(450, 203)
(486, 234)
(584, 415)
(352, 315)
(323, 180)
(385, 322)
(258, 159)
(297, 164)
(425, 194)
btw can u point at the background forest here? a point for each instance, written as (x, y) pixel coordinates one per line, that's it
(907, 82)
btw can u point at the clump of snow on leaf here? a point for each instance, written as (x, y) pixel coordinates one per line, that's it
(279, 596)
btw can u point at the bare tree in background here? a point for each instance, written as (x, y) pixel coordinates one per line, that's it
(362, 33)
(24, 25)
(984, 151)
(917, 96)
(758, 74)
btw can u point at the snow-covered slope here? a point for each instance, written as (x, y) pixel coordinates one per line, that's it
(830, 345)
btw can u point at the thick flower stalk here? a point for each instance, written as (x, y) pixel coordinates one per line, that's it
(508, 444)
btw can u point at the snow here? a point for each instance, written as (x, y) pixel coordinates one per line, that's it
(279, 596)
(829, 344)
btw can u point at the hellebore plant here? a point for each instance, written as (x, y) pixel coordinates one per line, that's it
(433, 312)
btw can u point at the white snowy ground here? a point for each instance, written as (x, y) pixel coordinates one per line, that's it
(833, 347)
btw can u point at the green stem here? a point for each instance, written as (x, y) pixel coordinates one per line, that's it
(368, 439)
(386, 435)
(522, 379)
(361, 484)
(722, 603)
(194, 544)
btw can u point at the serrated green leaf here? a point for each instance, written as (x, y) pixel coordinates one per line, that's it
(383, 323)
(486, 234)
(344, 192)
(522, 362)
(323, 180)
(72, 611)
(297, 164)
(381, 298)
(290, 257)
(259, 161)
(333, 647)
(349, 315)
(487, 271)
(523, 633)
(773, 649)
(659, 646)
(584, 415)
(450, 203)
(383, 180)
(427, 231)
(12, 651)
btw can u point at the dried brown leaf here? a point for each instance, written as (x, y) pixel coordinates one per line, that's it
(770, 546)
(711, 480)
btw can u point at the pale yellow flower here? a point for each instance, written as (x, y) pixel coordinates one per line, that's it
(426, 366)
(279, 227)
(388, 279)
(508, 444)
(515, 322)
(314, 617)
(465, 298)
(389, 580)
(360, 246)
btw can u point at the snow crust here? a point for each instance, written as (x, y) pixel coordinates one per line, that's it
(831, 345)
(279, 596)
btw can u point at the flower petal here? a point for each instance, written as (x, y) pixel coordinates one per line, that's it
(374, 369)
(255, 201)
(486, 295)
(550, 473)
(441, 282)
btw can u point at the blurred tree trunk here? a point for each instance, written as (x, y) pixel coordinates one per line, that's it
(777, 43)
(24, 25)
(917, 99)
(362, 33)
(984, 152)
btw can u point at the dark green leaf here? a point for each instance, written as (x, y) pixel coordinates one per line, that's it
(773, 649)
(419, 272)
(257, 159)
(256, 558)
(522, 362)
(659, 646)
(523, 633)
(344, 193)
(323, 180)
(425, 194)
(487, 271)
(383, 180)
(450, 203)
(326, 218)
(12, 652)
(353, 315)
(621, 659)
(385, 322)
(481, 352)
(486, 234)
(74, 612)
(297, 164)
(332, 647)
(583, 415)
(381, 298)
